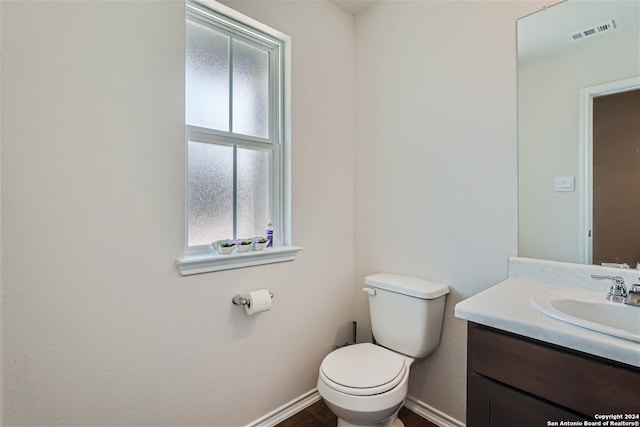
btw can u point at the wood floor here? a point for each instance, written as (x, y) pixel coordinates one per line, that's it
(318, 415)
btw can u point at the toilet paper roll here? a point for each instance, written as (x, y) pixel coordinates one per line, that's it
(258, 301)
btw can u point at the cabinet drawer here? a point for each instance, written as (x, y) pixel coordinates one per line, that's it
(582, 383)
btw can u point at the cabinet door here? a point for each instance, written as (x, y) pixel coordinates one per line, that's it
(491, 404)
(577, 381)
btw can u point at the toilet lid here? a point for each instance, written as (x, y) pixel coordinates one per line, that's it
(363, 369)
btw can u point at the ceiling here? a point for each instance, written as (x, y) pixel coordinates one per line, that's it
(546, 33)
(354, 7)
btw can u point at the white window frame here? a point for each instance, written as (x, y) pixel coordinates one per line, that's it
(202, 259)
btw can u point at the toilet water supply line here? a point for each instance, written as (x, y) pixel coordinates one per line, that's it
(354, 338)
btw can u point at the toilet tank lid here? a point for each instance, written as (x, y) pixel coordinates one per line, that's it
(407, 285)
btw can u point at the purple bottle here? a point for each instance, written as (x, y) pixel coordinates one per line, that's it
(270, 234)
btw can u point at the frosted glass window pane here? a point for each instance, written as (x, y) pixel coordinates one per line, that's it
(250, 90)
(253, 192)
(210, 202)
(207, 77)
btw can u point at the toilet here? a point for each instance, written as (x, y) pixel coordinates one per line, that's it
(366, 384)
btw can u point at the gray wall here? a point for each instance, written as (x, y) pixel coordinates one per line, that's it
(404, 152)
(98, 326)
(436, 154)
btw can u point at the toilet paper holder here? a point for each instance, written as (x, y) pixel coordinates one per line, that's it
(240, 300)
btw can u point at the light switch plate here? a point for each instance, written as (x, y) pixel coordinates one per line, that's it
(564, 183)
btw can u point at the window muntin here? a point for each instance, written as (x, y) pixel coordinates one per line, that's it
(234, 85)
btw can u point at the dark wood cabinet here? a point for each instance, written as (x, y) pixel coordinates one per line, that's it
(517, 381)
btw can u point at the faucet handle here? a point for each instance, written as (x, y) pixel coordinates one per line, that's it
(619, 280)
(618, 290)
(633, 298)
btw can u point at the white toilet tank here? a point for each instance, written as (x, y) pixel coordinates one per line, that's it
(406, 312)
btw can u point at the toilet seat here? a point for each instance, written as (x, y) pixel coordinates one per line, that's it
(363, 370)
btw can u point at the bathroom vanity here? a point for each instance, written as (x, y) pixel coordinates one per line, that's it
(513, 380)
(525, 368)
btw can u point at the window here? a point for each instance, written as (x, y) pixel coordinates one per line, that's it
(236, 128)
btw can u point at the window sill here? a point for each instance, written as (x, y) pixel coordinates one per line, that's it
(206, 263)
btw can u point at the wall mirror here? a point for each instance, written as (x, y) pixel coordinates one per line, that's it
(578, 190)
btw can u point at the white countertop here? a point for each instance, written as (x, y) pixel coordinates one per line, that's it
(507, 306)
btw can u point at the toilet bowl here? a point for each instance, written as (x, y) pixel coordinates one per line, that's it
(365, 385)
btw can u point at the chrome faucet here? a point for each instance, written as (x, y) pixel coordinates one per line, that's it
(618, 291)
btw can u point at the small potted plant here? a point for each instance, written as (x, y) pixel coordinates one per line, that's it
(245, 245)
(224, 247)
(260, 243)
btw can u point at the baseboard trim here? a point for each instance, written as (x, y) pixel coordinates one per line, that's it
(430, 413)
(298, 404)
(287, 410)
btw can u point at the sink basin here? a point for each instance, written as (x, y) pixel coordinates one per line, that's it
(590, 312)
